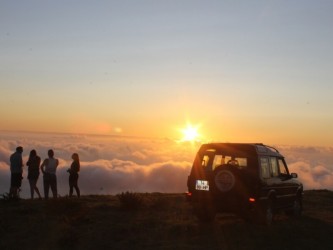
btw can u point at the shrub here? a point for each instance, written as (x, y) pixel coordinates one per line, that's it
(4, 197)
(130, 201)
(7, 197)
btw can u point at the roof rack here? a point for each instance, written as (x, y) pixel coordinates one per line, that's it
(261, 144)
(277, 151)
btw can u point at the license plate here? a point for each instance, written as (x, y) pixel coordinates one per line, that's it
(202, 185)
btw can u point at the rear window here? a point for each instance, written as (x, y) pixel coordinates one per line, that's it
(212, 159)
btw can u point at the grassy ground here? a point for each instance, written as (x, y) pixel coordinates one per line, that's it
(162, 221)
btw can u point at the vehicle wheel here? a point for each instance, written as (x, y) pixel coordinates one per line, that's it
(266, 214)
(269, 215)
(296, 210)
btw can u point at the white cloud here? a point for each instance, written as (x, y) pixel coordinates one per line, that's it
(110, 165)
(314, 165)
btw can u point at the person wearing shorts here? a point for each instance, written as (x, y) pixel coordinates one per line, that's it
(48, 168)
(16, 169)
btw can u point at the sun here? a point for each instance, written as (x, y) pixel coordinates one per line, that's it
(190, 133)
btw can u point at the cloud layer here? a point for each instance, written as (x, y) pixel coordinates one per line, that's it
(111, 165)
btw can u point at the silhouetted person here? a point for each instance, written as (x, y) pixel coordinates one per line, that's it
(74, 175)
(16, 169)
(50, 178)
(33, 172)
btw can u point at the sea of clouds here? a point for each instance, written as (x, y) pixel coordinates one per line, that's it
(111, 165)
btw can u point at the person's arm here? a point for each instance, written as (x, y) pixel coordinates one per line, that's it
(21, 162)
(70, 170)
(42, 166)
(38, 161)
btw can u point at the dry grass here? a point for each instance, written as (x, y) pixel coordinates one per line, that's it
(162, 221)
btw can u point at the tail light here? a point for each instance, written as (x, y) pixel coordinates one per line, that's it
(252, 200)
(188, 194)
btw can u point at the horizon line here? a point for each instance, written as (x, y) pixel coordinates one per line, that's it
(82, 134)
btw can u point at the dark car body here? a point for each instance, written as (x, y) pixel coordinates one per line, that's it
(249, 179)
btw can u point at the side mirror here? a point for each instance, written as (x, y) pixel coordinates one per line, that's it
(293, 175)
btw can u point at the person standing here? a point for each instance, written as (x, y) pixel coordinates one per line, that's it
(74, 175)
(49, 168)
(33, 172)
(16, 169)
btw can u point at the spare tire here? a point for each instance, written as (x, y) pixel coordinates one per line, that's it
(224, 178)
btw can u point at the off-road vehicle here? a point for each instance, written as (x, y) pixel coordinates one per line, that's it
(248, 179)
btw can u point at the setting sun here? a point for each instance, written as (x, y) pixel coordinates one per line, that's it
(190, 133)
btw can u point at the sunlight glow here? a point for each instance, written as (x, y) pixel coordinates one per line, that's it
(190, 133)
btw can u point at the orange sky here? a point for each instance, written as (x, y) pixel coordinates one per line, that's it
(241, 71)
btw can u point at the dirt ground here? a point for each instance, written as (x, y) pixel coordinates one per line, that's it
(162, 221)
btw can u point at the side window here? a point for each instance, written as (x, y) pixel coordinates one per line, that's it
(283, 167)
(205, 161)
(275, 167)
(264, 165)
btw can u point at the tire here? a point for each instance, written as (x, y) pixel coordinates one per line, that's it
(269, 214)
(224, 179)
(266, 214)
(296, 210)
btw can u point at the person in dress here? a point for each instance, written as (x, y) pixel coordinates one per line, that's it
(74, 175)
(33, 173)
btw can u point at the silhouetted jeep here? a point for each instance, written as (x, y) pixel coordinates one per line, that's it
(248, 179)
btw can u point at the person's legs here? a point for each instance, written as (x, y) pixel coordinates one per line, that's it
(32, 188)
(76, 186)
(70, 190)
(46, 183)
(12, 186)
(53, 184)
(70, 183)
(13, 192)
(19, 184)
(73, 184)
(15, 184)
(37, 190)
(77, 190)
